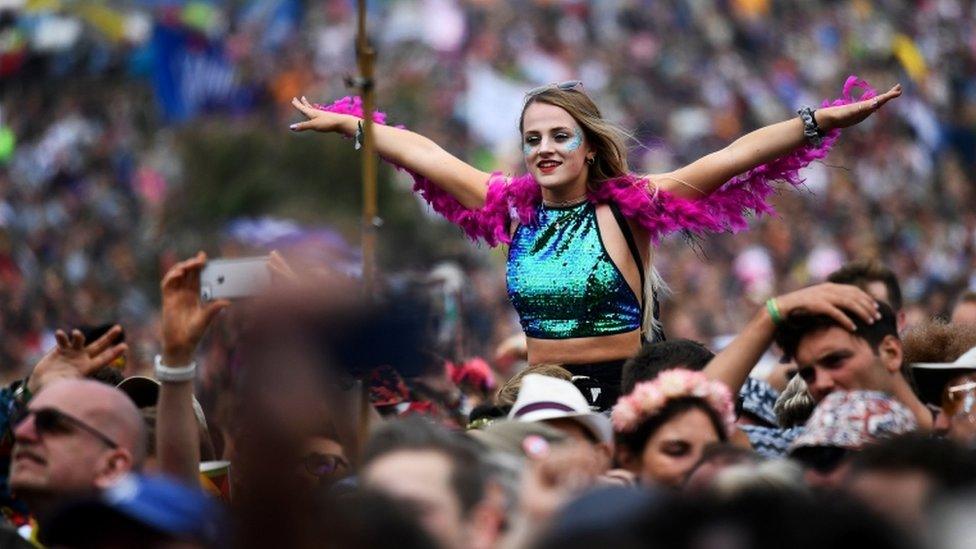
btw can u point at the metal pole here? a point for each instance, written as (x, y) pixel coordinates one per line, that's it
(366, 56)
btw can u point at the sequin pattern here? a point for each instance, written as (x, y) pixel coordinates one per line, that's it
(562, 281)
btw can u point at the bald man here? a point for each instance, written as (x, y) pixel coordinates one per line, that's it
(77, 437)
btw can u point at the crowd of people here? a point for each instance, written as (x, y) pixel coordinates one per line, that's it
(816, 383)
(864, 433)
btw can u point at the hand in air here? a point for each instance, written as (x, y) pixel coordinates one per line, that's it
(318, 120)
(844, 116)
(72, 358)
(184, 318)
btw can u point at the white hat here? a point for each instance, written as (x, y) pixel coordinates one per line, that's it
(542, 398)
(931, 377)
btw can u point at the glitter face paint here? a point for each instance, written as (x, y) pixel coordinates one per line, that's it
(570, 146)
(576, 141)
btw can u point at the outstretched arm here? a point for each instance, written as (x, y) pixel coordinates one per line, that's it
(702, 177)
(733, 364)
(467, 184)
(184, 321)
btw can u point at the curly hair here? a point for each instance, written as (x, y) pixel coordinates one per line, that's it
(937, 341)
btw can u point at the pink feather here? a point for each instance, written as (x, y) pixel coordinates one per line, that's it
(658, 212)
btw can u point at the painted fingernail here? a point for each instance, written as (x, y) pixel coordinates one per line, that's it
(293, 127)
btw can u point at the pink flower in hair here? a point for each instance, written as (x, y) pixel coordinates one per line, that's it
(650, 397)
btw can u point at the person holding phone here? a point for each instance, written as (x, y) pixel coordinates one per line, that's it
(581, 227)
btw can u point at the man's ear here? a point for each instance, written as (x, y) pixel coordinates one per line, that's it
(890, 352)
(114, 465)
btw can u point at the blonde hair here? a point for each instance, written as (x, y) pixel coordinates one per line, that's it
(508, 392)
(606, 139)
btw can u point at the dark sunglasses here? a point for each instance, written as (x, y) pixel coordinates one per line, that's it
(569, 85)
(822, 459)
(320, 465)
(53, 421)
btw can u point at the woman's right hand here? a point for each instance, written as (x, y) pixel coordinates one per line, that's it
(319, 120)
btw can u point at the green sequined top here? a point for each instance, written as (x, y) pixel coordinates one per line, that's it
(563, 283)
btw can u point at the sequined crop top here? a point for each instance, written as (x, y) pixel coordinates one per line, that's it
(563, 283)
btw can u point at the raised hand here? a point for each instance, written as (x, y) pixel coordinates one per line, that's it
(832, 300)
(72, 358)
(319, 120)
(184, 317)
(844, 116)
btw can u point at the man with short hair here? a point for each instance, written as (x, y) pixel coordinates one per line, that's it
(839, 335)
(869, 358)
(76, 437)
(442, 474)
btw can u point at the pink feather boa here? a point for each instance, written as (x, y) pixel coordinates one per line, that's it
(658, 212)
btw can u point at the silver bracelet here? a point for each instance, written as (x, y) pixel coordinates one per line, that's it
(811, 130)
(171, 374)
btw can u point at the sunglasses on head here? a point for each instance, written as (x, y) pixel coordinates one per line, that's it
(51, 421)
(569, 85)
(319, 465)
(959, 399)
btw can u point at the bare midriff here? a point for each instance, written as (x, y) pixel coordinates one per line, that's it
(584, 350)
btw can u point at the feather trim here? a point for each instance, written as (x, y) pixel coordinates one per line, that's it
(658, 212)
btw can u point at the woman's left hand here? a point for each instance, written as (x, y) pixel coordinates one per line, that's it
(830, 118)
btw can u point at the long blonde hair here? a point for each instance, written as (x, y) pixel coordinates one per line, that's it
(605, 138)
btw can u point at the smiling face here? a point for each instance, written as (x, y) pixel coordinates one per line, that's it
(555, 151)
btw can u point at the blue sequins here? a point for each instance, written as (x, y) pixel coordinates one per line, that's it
(562, 281)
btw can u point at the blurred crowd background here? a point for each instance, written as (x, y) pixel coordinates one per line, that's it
(133, 133)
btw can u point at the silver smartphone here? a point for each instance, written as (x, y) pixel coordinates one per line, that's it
(234, 278)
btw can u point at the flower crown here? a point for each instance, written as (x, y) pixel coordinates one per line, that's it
(649, 398)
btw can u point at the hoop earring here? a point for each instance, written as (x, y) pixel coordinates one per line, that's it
(590, 161)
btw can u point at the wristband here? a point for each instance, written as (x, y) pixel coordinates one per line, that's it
(773, 309)
(168, 373)
(811, 130)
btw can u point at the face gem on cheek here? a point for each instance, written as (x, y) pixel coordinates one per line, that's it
(527, 149)
(576, 141)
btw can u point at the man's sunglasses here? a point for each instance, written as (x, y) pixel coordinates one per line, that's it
(959, 400)
(54, 421)
(569, 85)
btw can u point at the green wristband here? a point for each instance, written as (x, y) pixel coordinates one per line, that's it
(773, 309)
